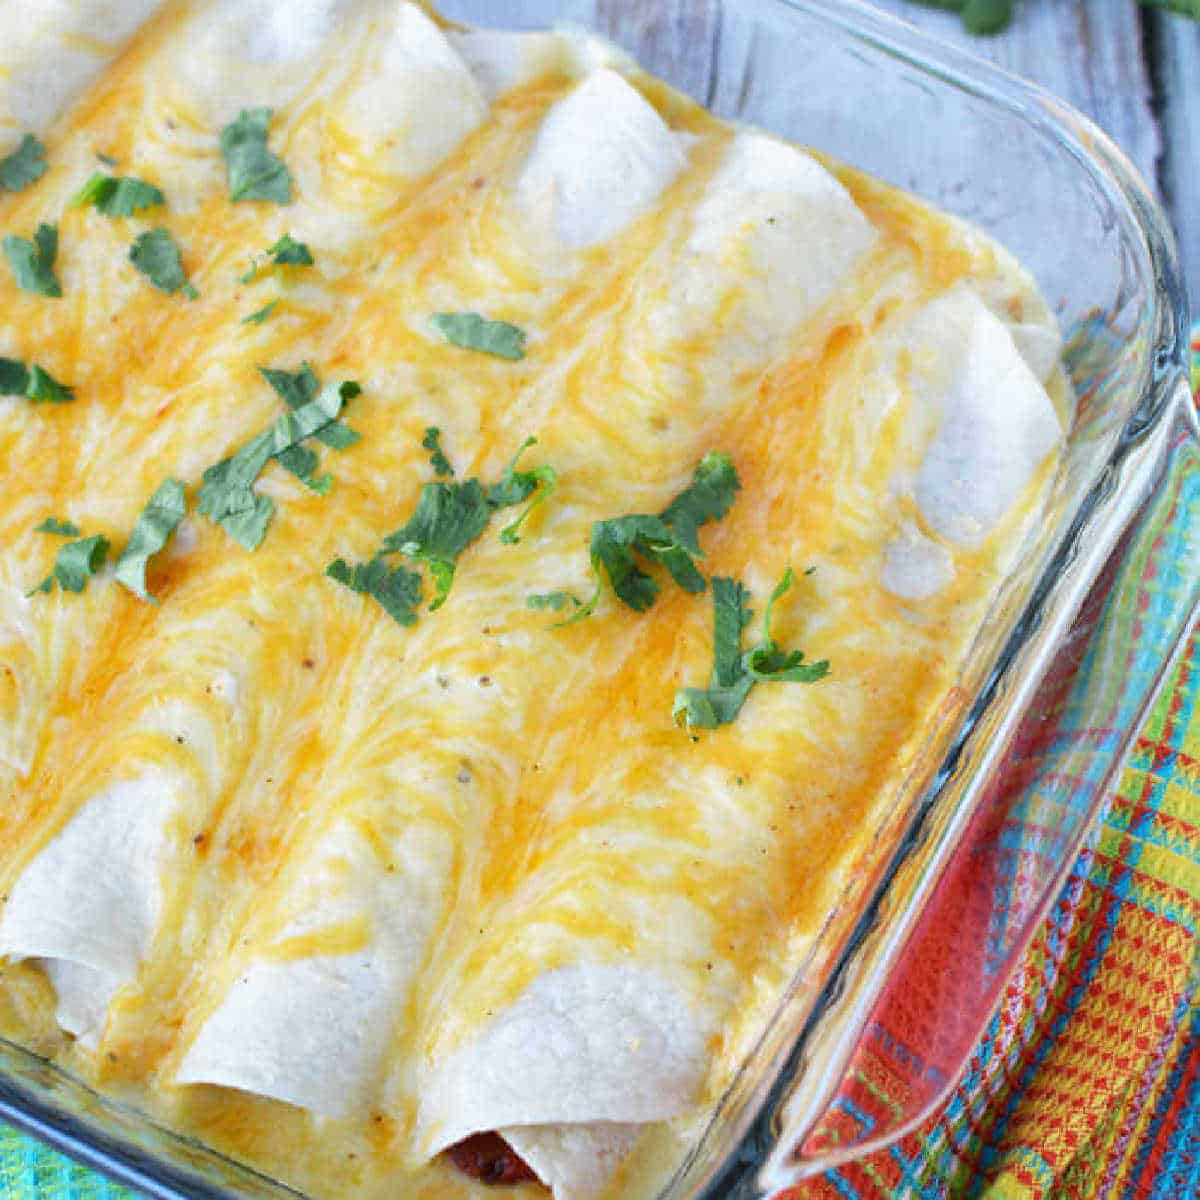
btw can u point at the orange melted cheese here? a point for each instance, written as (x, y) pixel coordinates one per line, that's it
(578, 813)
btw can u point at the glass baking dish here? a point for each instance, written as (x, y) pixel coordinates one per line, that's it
(1075, 645)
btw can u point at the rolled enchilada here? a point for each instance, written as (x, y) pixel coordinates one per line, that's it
(405, 815)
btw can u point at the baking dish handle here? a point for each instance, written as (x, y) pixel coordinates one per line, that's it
(916, 1027)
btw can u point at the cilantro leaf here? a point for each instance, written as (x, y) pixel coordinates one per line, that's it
(226, 491)
(448, 518)
(153, 529)
(25, 165)
(287, 252)
(556, 601)
(432, 442)
(117, 196)
(76, 563)
(735, 673)
(55, 526)
(397, 589)
(450, 515)
(515, 487)
(299, 388)
(254, 173)
(34, 383)
(258, 317)
(32, 262)
(474, 332)
(671, 538)
(156, 254)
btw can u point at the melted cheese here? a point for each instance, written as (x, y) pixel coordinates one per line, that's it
(307, 853)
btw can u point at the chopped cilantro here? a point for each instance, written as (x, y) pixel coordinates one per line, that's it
(76, 563)
(254, 173)
(55, 526)
(448, 518)
(515, 487)
(34, 383)
(556, 601)
(397, 589)
(671, 538)
(156, 255)
(450, 515)
(298, 389)
(106, 159)
(117, 196)
(734, 672)
(473, 332)
(432, 442)
(227, 492)
(258, 317)
(163, 512)
(32, 262)
(287, 252)
(25, 165)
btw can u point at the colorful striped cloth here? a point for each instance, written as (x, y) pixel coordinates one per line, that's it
(1087, 1083)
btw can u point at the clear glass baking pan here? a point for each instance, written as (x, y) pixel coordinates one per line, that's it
(1074, 649)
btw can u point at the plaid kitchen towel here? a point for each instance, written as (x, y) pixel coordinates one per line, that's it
(1087, 1083)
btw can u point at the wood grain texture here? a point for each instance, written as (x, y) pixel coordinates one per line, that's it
(1089, 52)
(1177, 51)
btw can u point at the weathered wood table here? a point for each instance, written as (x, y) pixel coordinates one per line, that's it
(1135, 71)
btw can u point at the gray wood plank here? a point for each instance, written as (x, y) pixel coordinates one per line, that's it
(1089, 52)
(1177, 46)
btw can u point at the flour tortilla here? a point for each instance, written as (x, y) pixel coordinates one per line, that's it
(601, 158)
(567, 1074)
(88, 904)
(50, 51)
(314, 1030)
(993, 422)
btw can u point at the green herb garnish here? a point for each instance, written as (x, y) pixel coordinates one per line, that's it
(555, 601)
(515, 487)
(157, 521)
(25, 165)
(34, 383)
(735, 673)
(473, 332)
(258, 317)
(32, 262)
(227, 492)
(437, 460)
(671, 538)
(297, 389)
(117, 196)
(287, 252)
(397, 589)
(156, 254)
(76, 563)
(57, 527)
(254, 173)
(450, 515)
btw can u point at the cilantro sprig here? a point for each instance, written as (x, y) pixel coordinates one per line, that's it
(32, 261)
(76, 563)
(156, 254)
(33, 382)
(449, 516)
(470, 331)
(286, 252)
(227, 492)
(396, 589)
(253, 172)
(118, 195)
(157, 521)
(620, 545)
(25, 165)
(58, 528)
(432, 441)
(736, 672)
